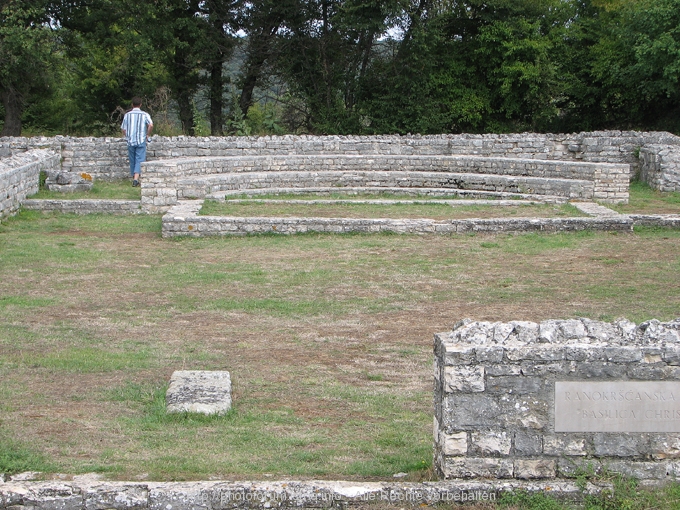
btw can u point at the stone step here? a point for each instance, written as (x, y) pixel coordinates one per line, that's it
(443, 193)
(200, 186)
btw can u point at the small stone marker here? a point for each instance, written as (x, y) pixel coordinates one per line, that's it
(199, 391)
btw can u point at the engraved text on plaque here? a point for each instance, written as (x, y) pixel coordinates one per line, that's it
(617, 406)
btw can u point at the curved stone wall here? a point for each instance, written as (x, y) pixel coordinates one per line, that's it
(166, 182)
(107, 157)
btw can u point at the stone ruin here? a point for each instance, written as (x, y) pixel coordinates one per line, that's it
(557, 399)
(66, 182)
(590, 166)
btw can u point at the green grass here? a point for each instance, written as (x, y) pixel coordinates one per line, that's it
(626, 494)
(17, 457)
(328, 338)
(645, 200)
(362, 210)
(118, 189)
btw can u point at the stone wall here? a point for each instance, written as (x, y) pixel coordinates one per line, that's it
(496, 396)
(167, 181)
(183, 220)
(107, 157)
(19, 176)
(660, 167)
(84, 206)
(268, 495)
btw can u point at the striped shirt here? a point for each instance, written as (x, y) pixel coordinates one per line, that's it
(135, 124)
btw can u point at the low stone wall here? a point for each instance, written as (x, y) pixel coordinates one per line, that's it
(84, 206)
(293, 494)
(165, 182)
(660, 167)
(20, 175)
(183, 220)
(538, 401)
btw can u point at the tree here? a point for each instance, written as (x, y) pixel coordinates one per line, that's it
(111, 58)
(324, 52)
(221, 26)
(637, 60)
(27, 47)
(467, 66)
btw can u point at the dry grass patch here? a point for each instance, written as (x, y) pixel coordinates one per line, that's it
(328, 338)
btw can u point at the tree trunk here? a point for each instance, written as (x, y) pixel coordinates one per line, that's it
(12, 102)
(186, 112)
(216, 101)
(258, 53)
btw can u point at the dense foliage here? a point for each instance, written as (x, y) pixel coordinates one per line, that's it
(340, 66)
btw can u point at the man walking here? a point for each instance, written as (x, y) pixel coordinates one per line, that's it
(136, 127)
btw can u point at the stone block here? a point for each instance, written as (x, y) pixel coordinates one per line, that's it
(639, 470)
(474, 467)
(118, 498)
(456, 354)
(573, 467)
(619, 445)
(599, 370)
(534, 469)
(455, 444)
(511, 384)
(560, 445)
(528, 443)
(465, 379)
(665, 446)
(199, 391)
(491, 443)
(464, 411)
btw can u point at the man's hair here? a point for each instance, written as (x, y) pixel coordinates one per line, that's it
(136, 101)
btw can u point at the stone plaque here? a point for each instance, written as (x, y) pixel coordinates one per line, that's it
(617, 406)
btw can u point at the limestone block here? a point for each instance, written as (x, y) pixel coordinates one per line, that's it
(671, 354)
(564, 445)
(491, 443)
(463, 378)
(511, 384)
(199, 391)
(457, 354)
(639, 470)
(528, 443)
(599, 370)
(116, 498)
(534, 469)
(454, 444)
(619, 445)
(474, 467)
(471, 410)
(666, 447)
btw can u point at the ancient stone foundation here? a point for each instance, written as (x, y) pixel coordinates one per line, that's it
(168, 181)
(576, 165)
(557, 399)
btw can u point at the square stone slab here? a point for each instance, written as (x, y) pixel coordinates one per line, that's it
(199, 391)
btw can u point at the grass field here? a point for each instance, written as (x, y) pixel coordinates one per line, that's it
(328, 339)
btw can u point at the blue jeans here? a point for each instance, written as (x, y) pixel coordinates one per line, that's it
(137, 155)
